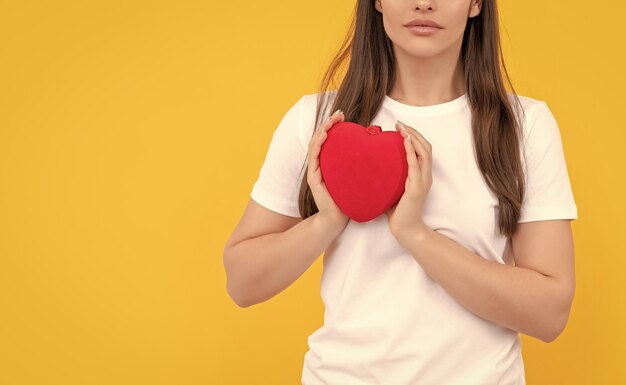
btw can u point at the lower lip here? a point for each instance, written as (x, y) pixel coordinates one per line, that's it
(423, 30)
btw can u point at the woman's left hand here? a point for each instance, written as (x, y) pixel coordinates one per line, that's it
(406, 215)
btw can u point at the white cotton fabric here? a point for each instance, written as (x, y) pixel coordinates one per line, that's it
(385, 320)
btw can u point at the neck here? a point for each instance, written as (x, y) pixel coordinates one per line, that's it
(427, 81)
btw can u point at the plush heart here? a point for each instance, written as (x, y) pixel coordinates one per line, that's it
(364, 169)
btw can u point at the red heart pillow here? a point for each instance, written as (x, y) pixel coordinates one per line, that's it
(364, 169)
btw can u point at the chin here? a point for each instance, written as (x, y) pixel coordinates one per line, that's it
(424, 52)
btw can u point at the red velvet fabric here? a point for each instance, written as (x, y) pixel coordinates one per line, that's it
(364, 169)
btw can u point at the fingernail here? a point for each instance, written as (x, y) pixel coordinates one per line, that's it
(338, 111)
(401, 124)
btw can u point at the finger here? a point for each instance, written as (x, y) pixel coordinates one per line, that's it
(314, 152)
(411, 158)
(418, 135)
(424, 150)
(324, 127)
(321, 131)
(332, 119)
(415, 144)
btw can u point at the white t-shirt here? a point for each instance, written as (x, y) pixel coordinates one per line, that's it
(385, 320)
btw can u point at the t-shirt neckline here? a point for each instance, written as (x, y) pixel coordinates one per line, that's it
(434, 109)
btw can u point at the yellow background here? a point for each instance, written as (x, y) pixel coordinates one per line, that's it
(131, 134)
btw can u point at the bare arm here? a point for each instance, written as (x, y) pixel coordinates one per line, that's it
(260, 267)
(268, 251)
(533, 297)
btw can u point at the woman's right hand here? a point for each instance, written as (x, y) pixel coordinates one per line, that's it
(324, 202)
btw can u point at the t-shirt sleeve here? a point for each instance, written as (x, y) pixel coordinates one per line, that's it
(278, 184)
(548, 190)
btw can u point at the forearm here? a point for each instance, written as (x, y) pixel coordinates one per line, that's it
(515, 297)
(261, 267)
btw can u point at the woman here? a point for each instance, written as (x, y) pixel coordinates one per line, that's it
(478, 249)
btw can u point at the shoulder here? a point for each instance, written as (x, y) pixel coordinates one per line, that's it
(298, 121)
(525, 105)
(533, 113)
(310, 101)
(307, 106)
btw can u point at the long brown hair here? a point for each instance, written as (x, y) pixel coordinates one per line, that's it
(496, 128)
